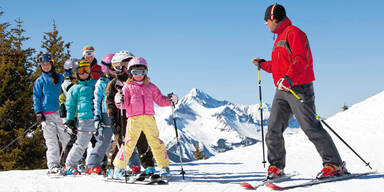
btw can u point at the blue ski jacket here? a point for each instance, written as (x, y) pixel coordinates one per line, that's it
(46, 94)
(100, 97)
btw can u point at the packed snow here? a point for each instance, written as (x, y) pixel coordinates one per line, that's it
(361, 126)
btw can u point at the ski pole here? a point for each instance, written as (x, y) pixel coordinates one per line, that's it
(9, 144)
(333, 131)
(123, 139)
(177, 134)
(261, 116)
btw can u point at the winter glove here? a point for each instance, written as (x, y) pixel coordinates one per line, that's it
(119, 98)
(119, 85)
(99, 125)
(70, 127)
(257, 62)
(284, 84)
(116, 128)
(40, 117)
(173, 98)
(62, 111)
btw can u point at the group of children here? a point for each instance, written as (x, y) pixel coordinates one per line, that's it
(100, 103)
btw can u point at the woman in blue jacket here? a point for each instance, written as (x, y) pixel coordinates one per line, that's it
(46, 90)
(79, 102)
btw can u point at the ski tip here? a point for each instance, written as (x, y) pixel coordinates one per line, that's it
(247, 186)
(273, 186)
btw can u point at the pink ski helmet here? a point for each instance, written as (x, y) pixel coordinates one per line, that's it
(137, 61)
(106, 62)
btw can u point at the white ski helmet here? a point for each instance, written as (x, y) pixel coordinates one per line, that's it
(121, 55)
(69, 63)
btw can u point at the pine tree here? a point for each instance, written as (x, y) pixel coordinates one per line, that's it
(345, 107)
(198, 153)
(16, 67)
(54, 44)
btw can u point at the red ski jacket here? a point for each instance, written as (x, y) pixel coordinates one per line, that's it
(291, 55)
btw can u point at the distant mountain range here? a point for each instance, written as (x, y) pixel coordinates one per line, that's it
(216, 126)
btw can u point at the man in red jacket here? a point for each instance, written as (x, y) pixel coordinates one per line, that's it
(89, 54)
(292, 68)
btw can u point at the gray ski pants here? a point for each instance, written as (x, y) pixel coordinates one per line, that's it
(53, 131)
(283, 107)
(103, 143)
(84, 135)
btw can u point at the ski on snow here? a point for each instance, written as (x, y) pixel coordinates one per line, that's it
(317, 181)
(154, 179)
(285, 177)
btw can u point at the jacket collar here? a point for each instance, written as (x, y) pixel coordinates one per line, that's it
(282, 25)
(135, 83)
(47, 74)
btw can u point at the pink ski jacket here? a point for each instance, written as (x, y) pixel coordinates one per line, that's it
(138, 99)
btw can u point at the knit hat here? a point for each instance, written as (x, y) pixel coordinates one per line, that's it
(83, 63)
(275, 11)
(89, 50)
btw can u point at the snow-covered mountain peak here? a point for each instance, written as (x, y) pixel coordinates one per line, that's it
(202, 98)
(216, 126)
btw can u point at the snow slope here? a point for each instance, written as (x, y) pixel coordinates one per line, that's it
(361, 126)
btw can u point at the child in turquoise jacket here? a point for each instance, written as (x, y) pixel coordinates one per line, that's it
(79, 102)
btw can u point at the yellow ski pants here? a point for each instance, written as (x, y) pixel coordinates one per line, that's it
(147, 124)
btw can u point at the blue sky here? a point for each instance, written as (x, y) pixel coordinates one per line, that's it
(209, 44)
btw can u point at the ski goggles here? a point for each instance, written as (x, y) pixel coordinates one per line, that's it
(119, 66)
(139, 72)
(83, 70)
(89, 53)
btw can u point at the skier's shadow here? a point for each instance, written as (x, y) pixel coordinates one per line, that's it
(194, 175)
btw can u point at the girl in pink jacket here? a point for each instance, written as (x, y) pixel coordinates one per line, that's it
(139, 97)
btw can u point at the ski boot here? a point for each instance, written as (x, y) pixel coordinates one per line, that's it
(274, 172)
(72, 171)
(332, 170)
(165, 172)
(55, 171)
(96, 171)
(110, 172)
(83, 169)
(135, 170)
(118, 174)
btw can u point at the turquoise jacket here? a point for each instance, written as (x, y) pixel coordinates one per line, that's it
(79, 100)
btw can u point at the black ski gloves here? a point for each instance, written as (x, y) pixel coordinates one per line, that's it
(40, 117)
(70, 127)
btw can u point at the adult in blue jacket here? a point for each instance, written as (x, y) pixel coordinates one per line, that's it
(46, 90)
